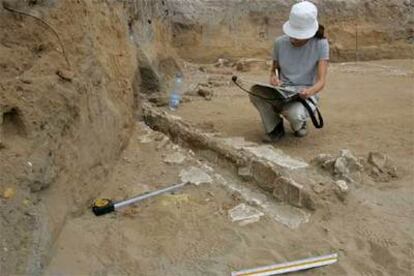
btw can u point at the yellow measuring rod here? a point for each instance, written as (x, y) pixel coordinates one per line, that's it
(289, 266)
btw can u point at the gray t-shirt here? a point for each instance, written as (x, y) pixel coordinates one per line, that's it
(299, 65)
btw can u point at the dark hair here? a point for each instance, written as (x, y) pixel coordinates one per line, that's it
(320, 33)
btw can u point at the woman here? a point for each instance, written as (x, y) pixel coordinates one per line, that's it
(300, 61)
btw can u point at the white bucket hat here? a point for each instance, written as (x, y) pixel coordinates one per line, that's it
(303, 21)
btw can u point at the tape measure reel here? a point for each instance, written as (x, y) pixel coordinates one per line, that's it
(103, 206)
(101, 202)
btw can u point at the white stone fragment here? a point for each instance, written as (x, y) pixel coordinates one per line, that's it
(276, 156)
(146, 139)
(174, 158)
(287, 215)
(244, 214)
(343, 187)
(195, 176)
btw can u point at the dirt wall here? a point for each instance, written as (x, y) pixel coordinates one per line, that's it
(203, 30)
(62, 125)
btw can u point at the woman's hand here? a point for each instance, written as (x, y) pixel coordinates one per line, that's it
(274, 80)
(320, 83)
(305, 93)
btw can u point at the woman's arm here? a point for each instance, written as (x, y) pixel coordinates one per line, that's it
(274, 74)
(320, 81)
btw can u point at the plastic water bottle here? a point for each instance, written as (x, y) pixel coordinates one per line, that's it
(175, 95)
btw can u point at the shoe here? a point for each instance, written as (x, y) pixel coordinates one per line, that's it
(277, 133)
(302, 132)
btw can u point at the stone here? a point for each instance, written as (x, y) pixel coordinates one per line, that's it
(276, 156)
(195, 176)
(319, 188)
(343, 187)
(347, 166)
(145, 139)
(340, 167)
(206, 93)
(380, 167)
(325, 161)
(377, 159)
(8, 193)
(41, 171)
(165, 140)
(323, 157)
(245, 214)
(159, 100)
(245, 65)
(245, 172)
(222, 62)
(174, 158)
(65, 75)
(288, 190)
(353, 162)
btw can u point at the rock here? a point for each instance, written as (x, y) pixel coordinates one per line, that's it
(159, 100)
(206, 93)
(329, 164)
(244, 214)
(325, 161)
(353, 162)
(393, 172)
(185, 99)
(146, 139)
(222, 62)
(321, 158)
(319, 188)
(175, 158)
(343, 187)
(342, 191)
(241, 67)
(26, 80)
(8, 193)
(380, 167)
(340, 167)
(195, 176)
(378, 160)
(245, 173)
(165, 140)
(41, 171)
(65, 75)
(158, 136)
(347, 166)
(245, 65)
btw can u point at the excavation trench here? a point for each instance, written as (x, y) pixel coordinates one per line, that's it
(70, 92)
(271, 170)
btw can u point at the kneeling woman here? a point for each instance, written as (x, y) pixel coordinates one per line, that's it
(300, 60)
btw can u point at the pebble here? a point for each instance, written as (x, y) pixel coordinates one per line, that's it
(343, 187)
(8, 193)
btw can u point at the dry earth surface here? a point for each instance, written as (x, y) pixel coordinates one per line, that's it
(190, 233)
(70, 97)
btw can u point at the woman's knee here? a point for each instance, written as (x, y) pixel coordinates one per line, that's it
(295, 114)
(294, 111)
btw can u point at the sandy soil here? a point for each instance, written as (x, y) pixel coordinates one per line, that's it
(367, 106)
(63, 127)
(190, 233)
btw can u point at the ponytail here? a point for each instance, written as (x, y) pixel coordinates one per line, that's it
(320, 33)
